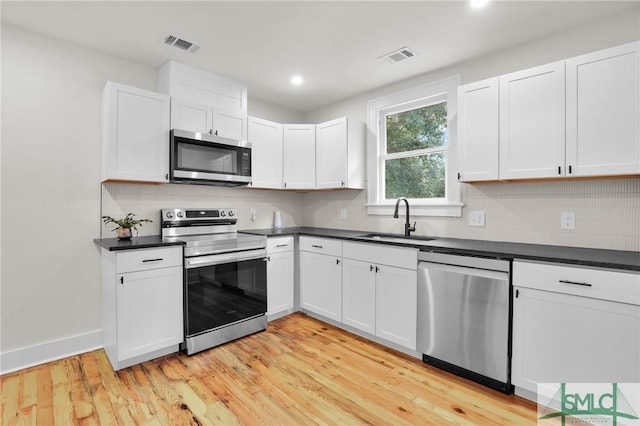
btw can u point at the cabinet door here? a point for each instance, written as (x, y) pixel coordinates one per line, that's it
(603, 113)
(532, 123)
(563, 338)
(149, 311)
(279, 282)
(321, 284)
(478, 131)
(266, 153)
(331, 154)
(230, 124)
(396, 305)
(135, 145)
(187, 115)
(299, 168)
(359, 295)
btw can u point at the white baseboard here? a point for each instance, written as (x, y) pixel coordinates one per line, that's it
(18, 359)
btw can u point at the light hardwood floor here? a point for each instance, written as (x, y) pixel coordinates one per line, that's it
(300, 371)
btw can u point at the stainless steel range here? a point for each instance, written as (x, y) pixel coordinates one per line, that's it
(225, 276)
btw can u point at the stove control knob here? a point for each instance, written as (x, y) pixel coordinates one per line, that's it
(169, 215)
(180, 214)
(230, 213)
(223, 214)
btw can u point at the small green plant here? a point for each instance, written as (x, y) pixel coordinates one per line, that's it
(129, 221)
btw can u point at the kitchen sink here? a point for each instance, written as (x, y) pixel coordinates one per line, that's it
(396, 238)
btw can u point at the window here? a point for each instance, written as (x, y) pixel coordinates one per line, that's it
(414, 156)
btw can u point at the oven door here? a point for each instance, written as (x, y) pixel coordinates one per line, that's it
(203, 158)
(224, 289)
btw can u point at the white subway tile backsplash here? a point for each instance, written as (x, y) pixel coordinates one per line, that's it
(607, 211)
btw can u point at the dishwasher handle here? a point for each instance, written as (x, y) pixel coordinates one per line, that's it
(485, 273)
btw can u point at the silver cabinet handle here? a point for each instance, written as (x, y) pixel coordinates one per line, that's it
(282, 245)
(159, 259)
(316, 246)
(575, 283)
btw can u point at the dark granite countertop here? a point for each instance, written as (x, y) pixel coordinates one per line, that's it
(616, 259)
(114, 244)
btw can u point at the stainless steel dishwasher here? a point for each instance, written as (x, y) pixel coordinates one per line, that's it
(464, 315)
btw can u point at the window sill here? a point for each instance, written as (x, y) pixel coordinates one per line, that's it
(445, 209)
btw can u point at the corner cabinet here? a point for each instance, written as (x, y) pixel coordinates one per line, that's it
(603, 114)
(142, 309)
(280, 276)
(340, 146)
(135, 139)
(299, 160)
(266, 153)
(478, 131)
(379, 291)
(321, 277)
(574, 324)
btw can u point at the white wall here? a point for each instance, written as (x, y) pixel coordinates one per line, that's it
(51, 192)
(51, 127)
(607, 212)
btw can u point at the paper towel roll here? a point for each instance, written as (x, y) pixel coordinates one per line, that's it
(277, 220)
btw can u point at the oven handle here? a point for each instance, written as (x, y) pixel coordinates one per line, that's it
(219, 259)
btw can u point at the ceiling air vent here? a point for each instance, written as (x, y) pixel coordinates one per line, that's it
(398, 55)
(180, 43)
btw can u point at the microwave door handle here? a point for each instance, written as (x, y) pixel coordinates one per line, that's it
(219, 259)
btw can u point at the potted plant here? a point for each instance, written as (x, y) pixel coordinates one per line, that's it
(125, 224)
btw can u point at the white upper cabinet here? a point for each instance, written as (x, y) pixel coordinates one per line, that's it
(602, 112)
(202, 87)
(204, 102)
(135, 140)
(187, 115)
(532, 123)
(299, 168)
(478, 131)
(340, 154)
(266, 148)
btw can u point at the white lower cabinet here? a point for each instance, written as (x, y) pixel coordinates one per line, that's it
(359, 295)
(280, 275)
(574, 325)
(379, 291)
(321, 276)
(142, 304)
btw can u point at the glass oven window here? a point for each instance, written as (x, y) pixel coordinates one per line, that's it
(222, 294)
(209, 159)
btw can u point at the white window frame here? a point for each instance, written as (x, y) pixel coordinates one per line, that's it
(440, 91)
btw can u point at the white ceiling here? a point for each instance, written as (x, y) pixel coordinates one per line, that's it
(333, 44)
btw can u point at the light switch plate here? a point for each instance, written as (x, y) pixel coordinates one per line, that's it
(343, 214)
(476, 218)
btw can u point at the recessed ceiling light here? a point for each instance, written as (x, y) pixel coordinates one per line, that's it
(296, 80)
(478, 4)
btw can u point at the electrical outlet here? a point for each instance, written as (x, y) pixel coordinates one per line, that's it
(252, 215)
(567, 220)
(343, 214)
(476, 218)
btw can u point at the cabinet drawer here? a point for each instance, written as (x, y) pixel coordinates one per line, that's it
(279, 244)
(145, 259)
(604, 284)
(406, 258)
(321, 245)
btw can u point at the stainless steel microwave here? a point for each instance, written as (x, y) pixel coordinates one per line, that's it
(206, 159)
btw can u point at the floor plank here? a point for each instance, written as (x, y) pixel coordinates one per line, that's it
(300, 371)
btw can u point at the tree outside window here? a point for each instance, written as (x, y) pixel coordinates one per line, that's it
(415, 159)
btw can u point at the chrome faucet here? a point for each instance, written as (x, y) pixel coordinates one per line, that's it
(407, 226)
